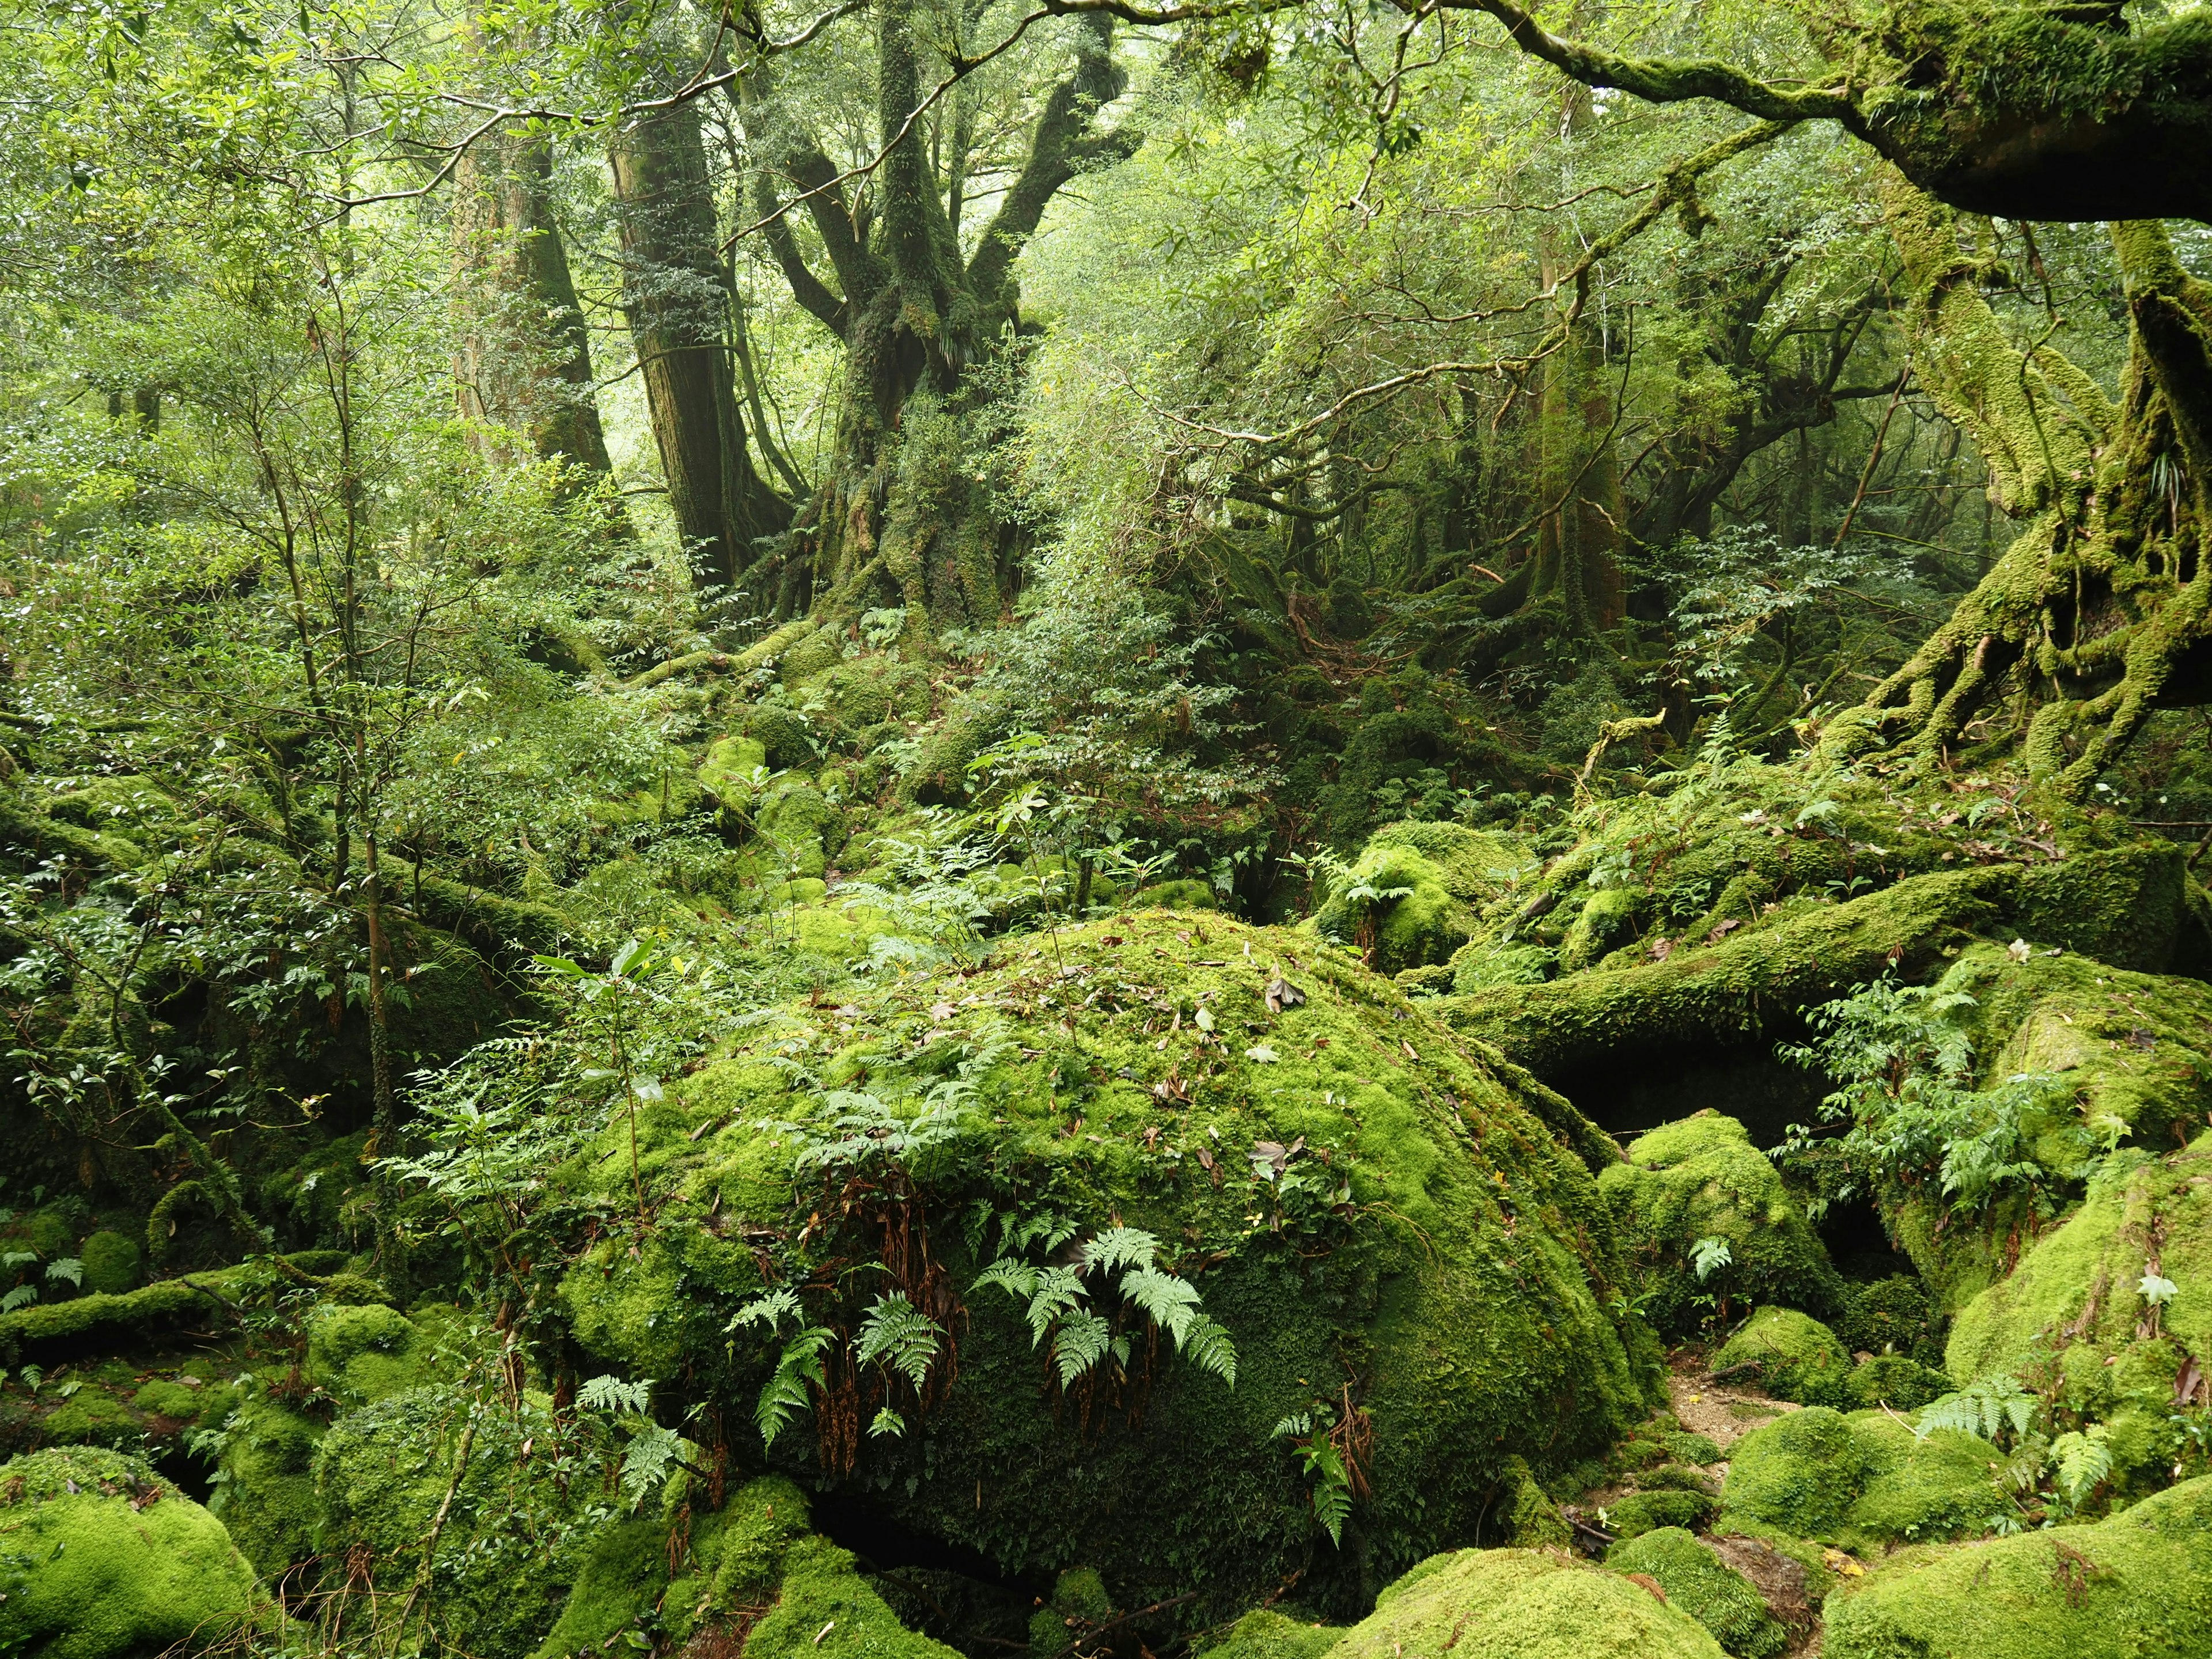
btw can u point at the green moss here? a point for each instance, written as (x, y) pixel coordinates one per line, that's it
(1893, 1316)
(1265, 1634)
(1891, 1380)
(1801, 1472)
(1702, 1585)
(1450, 1254)
(265, 1491)
(1478, 964)
(1185, 893)
(1693, 1449)
(1702, 1178)
(1450, 872)
(101, 1558)
(727, 774)
(1522, 1604)
(113, 1263)
(786, 738)
(92, 1417)
(2139, 1583)
(1919, 1488)
(2071, 1318)
(362, 1352)
(1798, 1357)
(1647, 1512)
(504, 1560)
(1078, 1601)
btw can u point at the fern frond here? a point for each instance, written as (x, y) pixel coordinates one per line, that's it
(2084, 1462)
(784, 1394)
(887, 1422)
(1018, 1278)
(611, 1393)
(1332, 1494)
(1079, 1342)
(1059, 1291)
(1296, 1424)
(1120, 1247)
(768, 1310)
(1206, 1345)
(897, 1332)
(1168, 1301)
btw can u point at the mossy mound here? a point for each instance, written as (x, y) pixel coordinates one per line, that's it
(1265, 1634)
(1891, 1380)
(1892, 1315)
(501, 1564)
(2073, 1317)
(2136, 1584)
(1702, 1178)
(358, 1354)
(752, 1564)
(1522, 1604)
(1706, 1587)
(101, 1558)
(113, 1263)
(1412, 895)
(1651, 1510)
(1817, 1474)
(1798, 1358)
(1356, 1197)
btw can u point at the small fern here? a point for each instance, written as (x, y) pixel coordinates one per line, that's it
(1060, 1306)
(1985, 1408)
(784, 1395)
(1079, 1342)
(1206, 1346)
(1120, 1247)
(2083, 1459)
(897, 1334)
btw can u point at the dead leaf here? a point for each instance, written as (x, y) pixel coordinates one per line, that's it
(2020, 949)
(1721, 930)
(1281, 994)
(1661, 949)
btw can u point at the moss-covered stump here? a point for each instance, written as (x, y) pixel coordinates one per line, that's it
(101, 1558)
(1412, 896)
(1817, 1473)
(1522, 1604)
(1706, 1587)
(2135, 1585)
(2074, 1316)
(1702, 1178)
(1398, 1248)
(1794, 1356)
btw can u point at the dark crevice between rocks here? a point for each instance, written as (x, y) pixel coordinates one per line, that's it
(1629, 1090)
(956, 1595)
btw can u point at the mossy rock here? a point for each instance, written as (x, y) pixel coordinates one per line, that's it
(1892, 1315)
(1922, 1487)
(731, 772)
(1266, 1633)
(2071, 1313)
(1798, 1357)
(113, 1263)
(1706, 1587)
(1901, 1384)
(1451, 870)
(1522, 1604)
(1078, 1604)
(127, 805)
(266, 1493)
(1817, 1474)
(1801, 1472)
(2135, 1585)
(799, 824)
(1647, 1512)
(510, 1547)
(360, 1353)
(1702, 1178)
(786, 738)
(1693, 1449)
(1184, 893)
(872, 691)
(1480, 963)
(1427, 1227)
(101, 1558)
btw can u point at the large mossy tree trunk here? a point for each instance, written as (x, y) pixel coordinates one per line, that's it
(2097, 614)
(525, 357)
(674, 297)
(897, 517)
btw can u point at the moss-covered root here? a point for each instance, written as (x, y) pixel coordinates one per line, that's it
(1706, 1587)
(1522, 1604)
(1702, 1178)
(2138, 1584)
(101, 1558)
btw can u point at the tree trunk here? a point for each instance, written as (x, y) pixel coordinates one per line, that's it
(673, 295)
(524, 358)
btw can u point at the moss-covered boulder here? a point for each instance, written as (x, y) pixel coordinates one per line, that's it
(1412, 895)
(361, 1353)
(2135, 1585)
(1702, 1178)
(1891, 1380)
(1267, 1633)
(102, 1559)
(113, 1263)
(731, 774)
(1706, 1587)
(1797, 1357)
(2074, 1318)
(1893, 1316)
(1654, 1508)
(1522, 1604)
(1817, 1473)
(750, 1574)
(500, 1564)
(1398, 1248)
